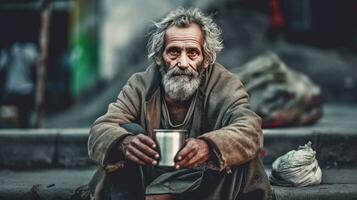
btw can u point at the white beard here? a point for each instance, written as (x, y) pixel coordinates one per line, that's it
(182, 87)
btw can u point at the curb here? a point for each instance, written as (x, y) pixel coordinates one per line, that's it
(19, 148)
(27, 148)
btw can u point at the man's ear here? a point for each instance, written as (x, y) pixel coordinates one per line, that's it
(206, 64)
(158, 61)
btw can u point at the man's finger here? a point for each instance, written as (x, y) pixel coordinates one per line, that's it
(147, 140)
(146, 149)
(183, 163)
(189, 146)
(141, 156)
(197, 161)
(131, 157)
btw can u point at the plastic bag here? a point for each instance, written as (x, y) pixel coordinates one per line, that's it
(279, 94)
(296, 168)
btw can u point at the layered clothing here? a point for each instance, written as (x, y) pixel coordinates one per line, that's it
(222, 117)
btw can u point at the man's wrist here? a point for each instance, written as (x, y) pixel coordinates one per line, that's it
(204, 142)
(205, 146)
(123, 144)
(214, 158)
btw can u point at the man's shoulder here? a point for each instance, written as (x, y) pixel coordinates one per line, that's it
(145, 80)
(223, 87)
(144, 76)
(220, 74)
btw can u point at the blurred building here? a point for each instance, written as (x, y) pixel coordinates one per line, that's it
(20, 22)
(324, 23)
(96, 43)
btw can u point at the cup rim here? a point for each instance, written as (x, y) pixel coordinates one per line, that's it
(169, 130)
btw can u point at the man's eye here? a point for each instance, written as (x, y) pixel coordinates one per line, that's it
(192, 53)
(173, 52)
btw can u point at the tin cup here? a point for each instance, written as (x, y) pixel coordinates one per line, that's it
(169, 143)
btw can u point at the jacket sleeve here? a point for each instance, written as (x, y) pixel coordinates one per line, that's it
(106, 130)
(240, 136)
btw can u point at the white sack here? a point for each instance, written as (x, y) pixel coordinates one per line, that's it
(296, 168)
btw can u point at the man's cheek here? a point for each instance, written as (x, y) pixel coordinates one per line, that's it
(170, 63)
(173, 65)
(197, 66)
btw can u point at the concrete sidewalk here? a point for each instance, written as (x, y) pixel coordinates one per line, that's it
(45, 184)
(69, 184)
(337, 184)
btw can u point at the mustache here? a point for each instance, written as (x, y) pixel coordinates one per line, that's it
(176, 71)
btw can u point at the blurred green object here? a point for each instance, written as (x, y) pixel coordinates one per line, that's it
(84, 48)
(84, 63)
(279, 94)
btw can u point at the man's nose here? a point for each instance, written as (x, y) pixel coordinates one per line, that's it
(183, 62)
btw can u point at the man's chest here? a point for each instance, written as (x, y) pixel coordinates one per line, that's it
(177, 115)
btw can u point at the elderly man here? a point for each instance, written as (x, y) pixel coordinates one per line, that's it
(183, 89)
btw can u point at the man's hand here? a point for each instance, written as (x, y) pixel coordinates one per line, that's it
(140, 149)
(193, 154)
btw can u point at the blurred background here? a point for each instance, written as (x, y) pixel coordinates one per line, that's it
(63, 61)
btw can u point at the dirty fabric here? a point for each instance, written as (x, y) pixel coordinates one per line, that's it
(222, 117)
(167, 179)
(244, 182)
(279, 94)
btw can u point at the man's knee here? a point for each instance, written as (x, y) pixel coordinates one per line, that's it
(133, 128)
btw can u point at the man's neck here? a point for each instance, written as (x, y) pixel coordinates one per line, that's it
(177, 110)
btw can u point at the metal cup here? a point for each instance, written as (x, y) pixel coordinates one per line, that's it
(169, 143)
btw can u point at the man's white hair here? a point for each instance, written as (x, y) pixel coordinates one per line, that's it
(182, 18)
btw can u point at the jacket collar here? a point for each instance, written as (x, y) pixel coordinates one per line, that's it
(153, 103)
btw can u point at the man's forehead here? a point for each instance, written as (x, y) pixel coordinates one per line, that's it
(191, 33)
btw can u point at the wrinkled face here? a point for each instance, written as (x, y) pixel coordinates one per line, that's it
(183, 46)
(183, 61)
